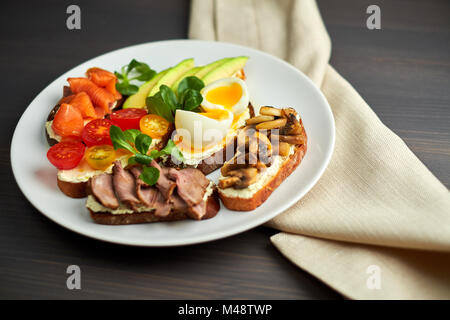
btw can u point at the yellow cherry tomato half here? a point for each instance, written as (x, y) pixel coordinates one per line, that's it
(154, 126)
(100, 157)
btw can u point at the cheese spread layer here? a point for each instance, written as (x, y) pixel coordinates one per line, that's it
(261, 180)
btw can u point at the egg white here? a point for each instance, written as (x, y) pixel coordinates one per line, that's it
(200, 131)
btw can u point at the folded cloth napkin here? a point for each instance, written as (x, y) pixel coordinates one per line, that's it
(377, 224)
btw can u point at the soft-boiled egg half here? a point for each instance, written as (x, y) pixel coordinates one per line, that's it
(224, 109)
(204, 129)
(227, 94)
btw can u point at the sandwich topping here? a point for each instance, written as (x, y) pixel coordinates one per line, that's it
(264, 145)
(176, 191)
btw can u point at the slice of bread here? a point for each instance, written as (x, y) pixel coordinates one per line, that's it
(212, 207)
(241, 203)
(72, 189)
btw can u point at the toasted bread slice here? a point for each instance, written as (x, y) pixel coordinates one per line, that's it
(104, 217)
(249, 199)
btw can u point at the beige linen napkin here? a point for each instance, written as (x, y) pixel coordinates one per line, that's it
(383, 218)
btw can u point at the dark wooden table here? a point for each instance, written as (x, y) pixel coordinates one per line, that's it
(402, 71)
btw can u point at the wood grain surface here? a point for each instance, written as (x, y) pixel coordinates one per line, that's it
(402, 71)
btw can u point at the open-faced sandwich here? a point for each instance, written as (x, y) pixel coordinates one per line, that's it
(140, 153)
(269, 149)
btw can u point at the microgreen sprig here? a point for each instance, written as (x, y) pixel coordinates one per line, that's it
(134, 71)
(188, 97)
(139, 144)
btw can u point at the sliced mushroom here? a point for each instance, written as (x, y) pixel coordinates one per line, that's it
(292, 126)
(249, 159)
(246, 177)
(260, 166)
(253, 145)
(239, 161)
(259, 119)
(251, 140)
(264, 154)
(286, 112)
(228, 182)
(282, 148)
(227, 167)
(270, 111)
(268, 125)
(297, 139)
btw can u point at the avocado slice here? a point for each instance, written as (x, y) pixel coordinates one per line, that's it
(137, 100)
(225, 70)
(191, 72)
(173, 75)
(209, 67)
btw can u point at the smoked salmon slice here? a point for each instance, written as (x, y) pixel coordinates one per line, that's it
(105, 79)
(68, 121)
(66, 99)
(100, 113)
(100, 97)
(82, 102)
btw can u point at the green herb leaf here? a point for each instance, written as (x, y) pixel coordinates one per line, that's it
(119, 140)
(149, 175)
(125, 140)
(147, 75)
(165, 102)
(133, 64)
(132, 160)
(169, 98)
(170, 149)
(142, 143)
(143, 158)
(192, 82)
(156, 105)
(134, 71)
(126, 89)
(118, 75)
(131, 134)
(191, 99)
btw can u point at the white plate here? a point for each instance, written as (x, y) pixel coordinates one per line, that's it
(270, 80)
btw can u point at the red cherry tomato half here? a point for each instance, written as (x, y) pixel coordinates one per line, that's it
(96, 132)
(66, 155)
(128, 118)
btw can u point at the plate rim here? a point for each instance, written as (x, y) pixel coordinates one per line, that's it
(200, 239)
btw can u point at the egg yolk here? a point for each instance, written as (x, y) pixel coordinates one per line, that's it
(215, 114)
(226, 96)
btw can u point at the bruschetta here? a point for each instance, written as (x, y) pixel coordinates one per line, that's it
(121, 197)
(269, 149)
